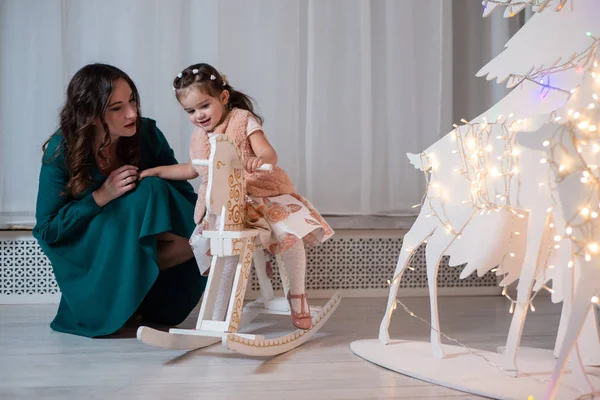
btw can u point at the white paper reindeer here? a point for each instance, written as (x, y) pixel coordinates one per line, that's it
(229, 237)
(483, 237)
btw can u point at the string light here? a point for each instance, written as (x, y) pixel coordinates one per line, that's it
(512, 3)
(468, 349)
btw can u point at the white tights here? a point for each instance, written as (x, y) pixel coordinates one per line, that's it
(294, 261)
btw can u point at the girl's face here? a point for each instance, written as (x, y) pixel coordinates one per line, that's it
(121, 114)
(203, 110)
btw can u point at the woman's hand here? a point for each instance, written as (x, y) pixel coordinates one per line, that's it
(119, 182)
(253, 163)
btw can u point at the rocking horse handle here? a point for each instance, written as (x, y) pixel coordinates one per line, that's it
(200, 163)
(206, 163)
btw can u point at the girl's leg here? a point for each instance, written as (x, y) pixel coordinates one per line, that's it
(172, 250)
(225, 288)
(294, 261)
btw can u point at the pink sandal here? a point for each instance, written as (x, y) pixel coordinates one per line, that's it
(301, 320)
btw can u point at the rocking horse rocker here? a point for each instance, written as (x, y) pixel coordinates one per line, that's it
(226, 209)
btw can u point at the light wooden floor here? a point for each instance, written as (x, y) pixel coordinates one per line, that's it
(37, 363)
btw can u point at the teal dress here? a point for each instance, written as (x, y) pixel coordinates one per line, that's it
(105, 259)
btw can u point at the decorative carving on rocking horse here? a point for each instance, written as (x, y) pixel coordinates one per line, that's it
(229, 236)
(240, 290)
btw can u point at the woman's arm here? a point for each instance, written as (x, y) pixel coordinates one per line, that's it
(57, 217)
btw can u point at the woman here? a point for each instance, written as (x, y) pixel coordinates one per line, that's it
(118, 246)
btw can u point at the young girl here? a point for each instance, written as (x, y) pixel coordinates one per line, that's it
(286, 220)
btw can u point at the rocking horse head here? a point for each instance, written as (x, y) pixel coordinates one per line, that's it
(226, 190)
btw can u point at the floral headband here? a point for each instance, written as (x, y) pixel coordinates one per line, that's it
(212, 77)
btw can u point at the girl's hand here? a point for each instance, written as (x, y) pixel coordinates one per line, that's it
(148, 172)
(253, 163)
(119, 182)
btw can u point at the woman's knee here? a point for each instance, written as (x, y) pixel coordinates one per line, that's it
(171, 237)
(172, 251)
(151, 184)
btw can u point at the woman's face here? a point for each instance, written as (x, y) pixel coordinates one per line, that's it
(121, 114)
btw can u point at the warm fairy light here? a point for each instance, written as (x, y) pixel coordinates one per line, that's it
(583, 124)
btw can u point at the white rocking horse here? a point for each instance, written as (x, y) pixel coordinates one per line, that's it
(226, 208)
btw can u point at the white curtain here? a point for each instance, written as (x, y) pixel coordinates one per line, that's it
(347, 87)
(476, 41)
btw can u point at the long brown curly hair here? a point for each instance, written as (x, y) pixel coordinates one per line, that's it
(88, 96)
